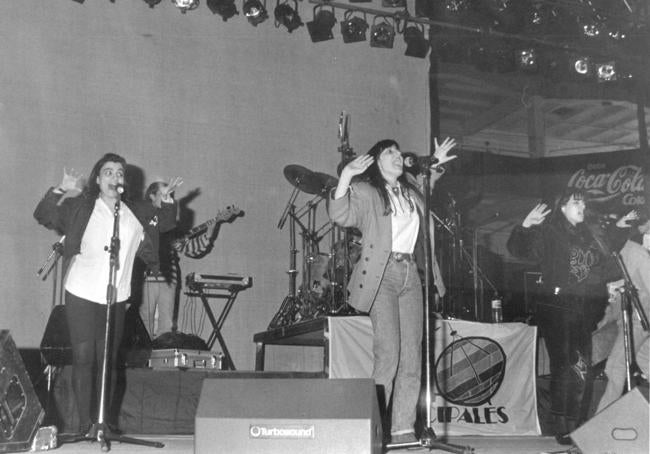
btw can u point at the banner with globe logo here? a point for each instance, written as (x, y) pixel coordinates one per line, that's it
(484, 376)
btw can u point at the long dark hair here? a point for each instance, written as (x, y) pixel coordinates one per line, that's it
(562, 199)
(581, 231)
(92, 188)
(374, 177)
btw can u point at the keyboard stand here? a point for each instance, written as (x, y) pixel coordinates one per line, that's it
(229, 294)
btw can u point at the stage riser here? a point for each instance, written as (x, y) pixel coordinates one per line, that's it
(160, 402)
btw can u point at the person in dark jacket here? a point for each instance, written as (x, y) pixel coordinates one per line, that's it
(386, 207)
(575, 268)
(86, 217)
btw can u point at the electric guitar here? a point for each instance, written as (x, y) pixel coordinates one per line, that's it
(222, 216)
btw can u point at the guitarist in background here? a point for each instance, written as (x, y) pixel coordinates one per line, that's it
(157, 290)
(161, 291)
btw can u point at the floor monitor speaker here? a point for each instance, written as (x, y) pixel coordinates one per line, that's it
(288, 416)
(622, 427)
(20, 411)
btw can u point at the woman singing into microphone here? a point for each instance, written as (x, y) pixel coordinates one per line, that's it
(86, 217)
(386, 206)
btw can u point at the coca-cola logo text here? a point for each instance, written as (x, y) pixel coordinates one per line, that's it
(625, 181)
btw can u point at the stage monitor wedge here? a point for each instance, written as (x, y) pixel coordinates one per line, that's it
(288, 416)
(621, 428)
(20, 410)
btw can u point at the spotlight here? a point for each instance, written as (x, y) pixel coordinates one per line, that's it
(255, 12)
(393, 3)
(151, 3)
(382, 34)
(416, 44)
(225, 8)
(527, 59)
(353, 28)
(287, 16)
(186, 5)
(606, 72)
(320, 29)
(582, 66)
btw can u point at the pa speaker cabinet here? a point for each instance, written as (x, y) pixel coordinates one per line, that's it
(288, 416)
(20, 411)
(621, 428)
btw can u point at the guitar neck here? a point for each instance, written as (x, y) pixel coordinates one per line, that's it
(199, 228)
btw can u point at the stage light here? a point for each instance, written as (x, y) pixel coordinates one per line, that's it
(527, 59)
(287, 16)
(606, 72)
(416, 43)
(582, 66)
(353, 28)
(382, 34)
(320, 29)
(186, 5)
(225, 8)
(151, 3)
(255, 11)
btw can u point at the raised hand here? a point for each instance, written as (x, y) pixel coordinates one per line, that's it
(168, 190)
(358, 165)
(442, 149)
(536, 216)
(624, 221)
(71, 181)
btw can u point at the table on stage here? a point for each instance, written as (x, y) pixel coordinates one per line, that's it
(346, 343)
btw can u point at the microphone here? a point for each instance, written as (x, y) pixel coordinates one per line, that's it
(411, 160)
(119, 188)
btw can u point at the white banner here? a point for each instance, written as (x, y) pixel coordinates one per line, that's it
(484, 379)
(350, 347)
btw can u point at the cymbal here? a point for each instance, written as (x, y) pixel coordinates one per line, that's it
(327, 181)
(303, 179)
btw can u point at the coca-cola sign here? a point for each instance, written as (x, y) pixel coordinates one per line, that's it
(624, 183)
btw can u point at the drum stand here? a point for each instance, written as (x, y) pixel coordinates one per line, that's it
(100, 430)
(428, 438)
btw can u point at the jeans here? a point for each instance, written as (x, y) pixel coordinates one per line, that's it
(160, 296)
(397, 317)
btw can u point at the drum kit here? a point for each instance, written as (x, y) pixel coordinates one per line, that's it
(328, 253)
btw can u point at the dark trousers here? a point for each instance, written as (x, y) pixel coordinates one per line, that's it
(567, 335)
(87, 326)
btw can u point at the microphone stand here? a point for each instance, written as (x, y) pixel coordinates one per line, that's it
(100, 431)
(51, 260)
(428, 438)
(630, 300)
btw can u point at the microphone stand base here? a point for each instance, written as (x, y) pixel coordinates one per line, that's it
(103, 434)
(429, 440)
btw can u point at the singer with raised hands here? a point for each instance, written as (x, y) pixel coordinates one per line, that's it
(575, 265)
(376, 196)
(87, 219)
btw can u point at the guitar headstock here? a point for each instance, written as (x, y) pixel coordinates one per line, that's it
(228, 213)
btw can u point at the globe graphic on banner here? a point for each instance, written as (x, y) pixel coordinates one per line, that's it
(469, 371)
